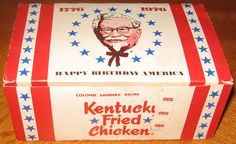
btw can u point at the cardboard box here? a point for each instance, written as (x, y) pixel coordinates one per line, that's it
(115, 71)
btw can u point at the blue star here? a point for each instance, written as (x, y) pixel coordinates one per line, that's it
(74, 43)
(25, 60)
(198, 38)
(33, 13)
(34, 6)
(206, 60)
(112, 9)
(136, 59)
(32, 137)
(141, 15)
(25, 96)
(127, 11)
(147, 120)
(76, 23)
(30, 128)
(214, 94)
(187, 5)
(196, 29)
(30, 30)
(209, 105)
(27, 108)
(203, 125)
(100, 59)
(97, 11)
(84, 52)
(85, 15)
(210, 72)
(32, 21)
(151, 23)
(149, 51)
(193, 20)
(94, 120)
(189, 12)
(203, 49)
(200, 135)
(29, 39)
(23, 72)
(72, 33)
(207, 115)
(157, 33)
(28, 118)
(27, 49)
(157, 43)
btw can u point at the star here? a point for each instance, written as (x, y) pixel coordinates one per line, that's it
(112, 9)
(97, 11)
(193, 20)
(84, 52)
(85, 15)
(25, 60)
(74, 43)
(200, 135)
(30, 128)
(209, 105)
(32, 137)
(94, 120)
(196, 29)
(141, 15)
(189, 12)
(157, 43)
(28, 118)
(206, 60)
(32, 21)
(203, 125)
(147, 120)
(187, 5)
(207, 115)
(214, 94)
(203, 49)
(34, 6)
(29, 39)
(27, 108)
(25, 96)
(127, 11)
(76, 23)
(136, 59)
(151, 23)
(27, 49)
(100, 59)
(198, 38)
(149, 51)
(30, 30)
(23, 72)
(210, 72)
(157, 33)
(72, 33)
(33, 13)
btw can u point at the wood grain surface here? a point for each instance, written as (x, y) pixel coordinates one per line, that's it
(223, 16)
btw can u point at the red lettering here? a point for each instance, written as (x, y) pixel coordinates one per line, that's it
(168, 99)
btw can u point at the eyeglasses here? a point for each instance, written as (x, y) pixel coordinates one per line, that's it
(121, 30)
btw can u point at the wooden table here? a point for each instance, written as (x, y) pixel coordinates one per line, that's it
(223, 16)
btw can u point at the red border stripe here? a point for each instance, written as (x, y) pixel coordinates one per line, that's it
(11, 67)
(42, 46)
(214, 44)
(219, 110)
(43, 112)
(195, 110)
(15, 112)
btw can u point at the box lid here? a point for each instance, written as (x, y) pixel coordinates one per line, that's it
(115, 44)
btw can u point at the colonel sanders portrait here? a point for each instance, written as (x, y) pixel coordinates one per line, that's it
(118, 32)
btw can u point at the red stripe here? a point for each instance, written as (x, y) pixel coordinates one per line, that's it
(11, 67)
(219, 110)
(15, 112)
(190, 50)
(43, 112)
(42, 46)
(194, 113)
(214, 45)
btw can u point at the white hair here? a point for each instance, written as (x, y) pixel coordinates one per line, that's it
(109, 16)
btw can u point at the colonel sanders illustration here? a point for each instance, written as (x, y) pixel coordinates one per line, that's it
(118, 33)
